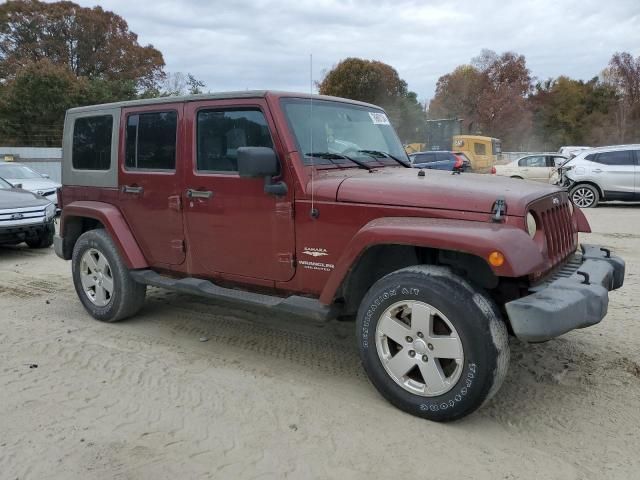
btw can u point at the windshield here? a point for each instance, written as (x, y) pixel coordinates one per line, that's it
(4, 185)
(17, 172)
(335, 132)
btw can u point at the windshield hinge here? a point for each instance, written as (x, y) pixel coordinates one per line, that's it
(499, 209)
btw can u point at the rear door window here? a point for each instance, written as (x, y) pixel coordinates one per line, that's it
(443, 156)
(151, 141)
(621, 157)
(91, 148)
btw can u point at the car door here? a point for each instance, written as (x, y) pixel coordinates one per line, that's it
(536, 168)
(444, 161)
(234, 229)
(150, 169)
(614, 172)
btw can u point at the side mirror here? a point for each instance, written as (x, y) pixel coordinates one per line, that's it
(44, 175)
(17, 185)
(256, 162)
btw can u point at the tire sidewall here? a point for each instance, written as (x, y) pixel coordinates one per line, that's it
(466, 310)
(94, 239)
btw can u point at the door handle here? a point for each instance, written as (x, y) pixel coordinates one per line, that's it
(199, 193)
(132, 189)
(597, 170)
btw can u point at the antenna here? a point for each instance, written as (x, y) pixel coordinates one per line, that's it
(314, 213)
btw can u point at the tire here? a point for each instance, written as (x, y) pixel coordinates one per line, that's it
(44, 240)
(585, 195)
(458, 310)
(96, 261)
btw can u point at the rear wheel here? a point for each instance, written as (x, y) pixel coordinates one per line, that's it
(585, 195)
(431, 344)
(102, 279)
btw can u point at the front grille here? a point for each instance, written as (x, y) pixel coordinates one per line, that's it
(559, 230)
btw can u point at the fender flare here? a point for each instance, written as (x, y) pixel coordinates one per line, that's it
(115, 224)
(522, 255)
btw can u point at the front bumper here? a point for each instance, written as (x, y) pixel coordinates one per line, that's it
(577, 296)
(20, 233)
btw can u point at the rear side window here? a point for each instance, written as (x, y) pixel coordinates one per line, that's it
(621, 157)
(92, 143)
(480, 148)
(222, 132)
(440, 157)
(151, 141)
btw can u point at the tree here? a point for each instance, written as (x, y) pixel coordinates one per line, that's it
(55, 56)
(89, 42)
(489, 95)
(573, 112)
(457, 96)
(378, 83)
(623, 75)
(178, 83)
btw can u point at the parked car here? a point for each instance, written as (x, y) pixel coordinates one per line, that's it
(537, 167)
(237, 197)
(25, 217)
(28, 179)
(602, 174)
(440, 160)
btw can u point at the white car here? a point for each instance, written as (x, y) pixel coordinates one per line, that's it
(603, 173)
(21, 175)
(537, 167)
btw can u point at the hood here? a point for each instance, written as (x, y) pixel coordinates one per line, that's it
(18, 198)
(440, 190)
(35, 184)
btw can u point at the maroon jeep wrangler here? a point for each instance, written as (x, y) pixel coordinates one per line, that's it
(306, 206)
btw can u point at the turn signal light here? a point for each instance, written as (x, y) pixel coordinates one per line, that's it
(496, 259)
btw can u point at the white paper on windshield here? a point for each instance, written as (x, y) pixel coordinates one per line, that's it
(379, 118)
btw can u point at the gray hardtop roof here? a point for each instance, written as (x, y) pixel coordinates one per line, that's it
(213, 96)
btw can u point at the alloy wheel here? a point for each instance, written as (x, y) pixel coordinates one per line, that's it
(583, 197)
(96, 277)
(419, 348)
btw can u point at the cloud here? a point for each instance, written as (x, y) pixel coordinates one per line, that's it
(238, 44)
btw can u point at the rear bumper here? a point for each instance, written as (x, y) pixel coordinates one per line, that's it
(570, 300)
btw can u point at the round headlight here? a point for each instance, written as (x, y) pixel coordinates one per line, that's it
(532, 226)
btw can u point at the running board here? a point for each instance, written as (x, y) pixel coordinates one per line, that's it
(293, 305)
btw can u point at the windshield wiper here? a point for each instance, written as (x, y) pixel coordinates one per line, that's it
(378, 153)
(330, 156)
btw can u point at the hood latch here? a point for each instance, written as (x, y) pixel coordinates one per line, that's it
(499, 209)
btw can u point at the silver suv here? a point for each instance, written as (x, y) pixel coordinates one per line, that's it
(602, 174)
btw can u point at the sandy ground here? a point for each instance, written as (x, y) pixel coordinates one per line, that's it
(270, 399)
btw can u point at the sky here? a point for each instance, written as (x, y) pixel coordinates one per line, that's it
(265, 44)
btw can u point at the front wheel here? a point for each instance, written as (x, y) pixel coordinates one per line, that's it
(433, 345)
